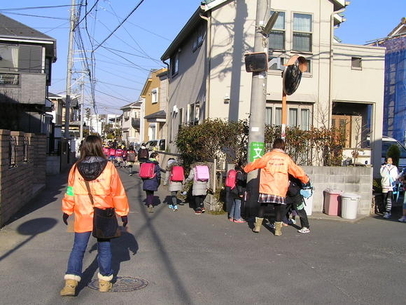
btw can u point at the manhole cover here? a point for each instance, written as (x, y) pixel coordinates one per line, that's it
(122, 284)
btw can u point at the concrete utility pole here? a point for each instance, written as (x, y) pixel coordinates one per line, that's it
(69, 69)
(256, 135)
(258, 91)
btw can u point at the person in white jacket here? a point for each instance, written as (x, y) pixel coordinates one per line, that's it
(389, 174)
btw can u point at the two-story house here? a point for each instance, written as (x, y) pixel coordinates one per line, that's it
(130, 125)
(343, 85)
(154, 104)
(26, 57)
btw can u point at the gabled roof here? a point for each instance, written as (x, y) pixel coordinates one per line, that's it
(12, 30)
(400, 29)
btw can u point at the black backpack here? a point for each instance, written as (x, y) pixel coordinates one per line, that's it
(143, 153)
(295, 185)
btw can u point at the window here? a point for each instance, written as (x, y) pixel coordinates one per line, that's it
(268, 116)
(277, 35)
(154, 96)
(298, 115)
(292, 117)
(356, 63)
(199, 37)
(175, 64)
(302, 32)
(305, 119)
(278, 116)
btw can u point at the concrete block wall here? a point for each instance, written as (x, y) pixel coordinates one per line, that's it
(349, 179)
(17, 183)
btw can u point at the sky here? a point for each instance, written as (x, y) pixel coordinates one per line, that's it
(127, 38)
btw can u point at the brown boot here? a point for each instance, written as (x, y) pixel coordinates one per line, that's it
(278, 228)
(257, 225)
(105, 284)
(71, 282)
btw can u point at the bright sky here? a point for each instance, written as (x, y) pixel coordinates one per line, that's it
(124, 59)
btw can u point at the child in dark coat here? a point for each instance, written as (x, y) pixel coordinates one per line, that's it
(151, 185)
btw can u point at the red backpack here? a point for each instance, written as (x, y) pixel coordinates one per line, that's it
(147, 170)
(202, 173)
(231, 179)
(177, 173)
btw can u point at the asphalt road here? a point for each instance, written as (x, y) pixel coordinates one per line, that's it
(189, 259)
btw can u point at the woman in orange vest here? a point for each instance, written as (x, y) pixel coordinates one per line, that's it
(107, 191)
(275, 167)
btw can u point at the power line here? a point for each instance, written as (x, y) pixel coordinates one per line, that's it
(121, 23)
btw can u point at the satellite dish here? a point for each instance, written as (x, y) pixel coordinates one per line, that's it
(293, 74)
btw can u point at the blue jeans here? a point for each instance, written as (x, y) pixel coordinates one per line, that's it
(235, 211)
(75, 263)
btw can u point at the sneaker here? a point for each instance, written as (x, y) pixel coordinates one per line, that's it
(198, 212)
(402, 219)
(284, 224)
(231, 219)
(170, 206)
(386, 215)
(304, 230)
(203, 210)
(175, 208)
(239, 220)
(150, 209)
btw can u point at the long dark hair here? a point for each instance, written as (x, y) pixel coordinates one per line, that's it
(91, 146)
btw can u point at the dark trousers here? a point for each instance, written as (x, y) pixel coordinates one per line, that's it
(150, 198)
(199, 201)
(280, 211)
(295, 202)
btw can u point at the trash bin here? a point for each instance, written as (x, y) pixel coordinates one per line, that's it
(331, 203)
(349, 205)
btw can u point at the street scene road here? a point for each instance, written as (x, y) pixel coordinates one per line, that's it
(183, 258)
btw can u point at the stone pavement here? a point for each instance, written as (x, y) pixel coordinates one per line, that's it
(181, 258)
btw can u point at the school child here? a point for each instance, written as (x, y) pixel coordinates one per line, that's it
(174, 178)
(143, 154)
(236, 183)
(199, 174)
(295, 200)
(130, 160)
(119, 157)
(151, 184)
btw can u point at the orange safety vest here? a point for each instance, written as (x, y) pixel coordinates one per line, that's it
(275, 167)
(107, 191)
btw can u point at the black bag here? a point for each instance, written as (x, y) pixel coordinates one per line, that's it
(105, 224)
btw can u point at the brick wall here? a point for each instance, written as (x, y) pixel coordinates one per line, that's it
(19, 177)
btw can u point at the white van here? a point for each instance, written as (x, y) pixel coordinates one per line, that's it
(388, 142)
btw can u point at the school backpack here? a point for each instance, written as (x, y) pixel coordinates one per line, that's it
(143, 154)
(131, 156)
(177, 173)
(147, 170)
(231, 179)
(202, 173)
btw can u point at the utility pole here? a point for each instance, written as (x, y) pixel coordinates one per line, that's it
(69, 69)
(258, 90)
(256, 145)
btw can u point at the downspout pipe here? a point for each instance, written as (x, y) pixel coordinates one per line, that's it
(330, 87)
(208, 66)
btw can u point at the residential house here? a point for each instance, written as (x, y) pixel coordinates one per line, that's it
(26, 57)
(131, 123)
(342, 87)
(394, 122)
(154, 102)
